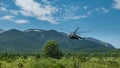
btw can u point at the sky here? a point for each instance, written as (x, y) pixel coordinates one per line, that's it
(101, 17)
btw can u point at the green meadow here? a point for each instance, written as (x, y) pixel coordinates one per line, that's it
(68, 60)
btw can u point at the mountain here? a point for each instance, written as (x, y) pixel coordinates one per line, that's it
(100, 42)
(1, 30)
(32, 40)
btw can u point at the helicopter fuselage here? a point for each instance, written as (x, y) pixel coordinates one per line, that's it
(74, 36)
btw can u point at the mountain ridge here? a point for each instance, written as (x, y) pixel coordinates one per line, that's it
(32, 40)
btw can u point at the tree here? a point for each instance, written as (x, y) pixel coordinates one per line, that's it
(51, 49)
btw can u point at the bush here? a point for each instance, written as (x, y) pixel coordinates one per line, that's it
(51, 49)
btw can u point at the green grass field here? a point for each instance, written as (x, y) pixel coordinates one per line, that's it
(71, 61)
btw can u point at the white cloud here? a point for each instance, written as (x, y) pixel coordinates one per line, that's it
(46, 1)
(3, 9)
(89, 12)
(45, 11)
(13, 19)
(6, 10)
(13, 12)
(21, 21)
(72, 12)
(7, 17)
(104, 10)
(85, 7)
(75, 17)
(79, 17)
(25, 13)
(116, 4)
(35, 9)
(97, 9)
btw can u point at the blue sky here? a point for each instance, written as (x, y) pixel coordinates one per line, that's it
(102, 17)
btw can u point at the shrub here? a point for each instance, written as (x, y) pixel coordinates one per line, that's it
(51, 49)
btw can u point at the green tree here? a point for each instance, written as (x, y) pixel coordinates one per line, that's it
(51, 49)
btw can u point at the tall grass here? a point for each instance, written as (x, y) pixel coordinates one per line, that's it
(67, 61)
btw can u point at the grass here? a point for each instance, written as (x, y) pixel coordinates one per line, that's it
(71, 62)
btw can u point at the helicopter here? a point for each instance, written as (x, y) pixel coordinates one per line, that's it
(75, 36)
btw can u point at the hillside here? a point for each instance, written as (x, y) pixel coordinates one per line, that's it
(1, 30)
(32, 40)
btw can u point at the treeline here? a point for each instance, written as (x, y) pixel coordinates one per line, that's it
(14, 56)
